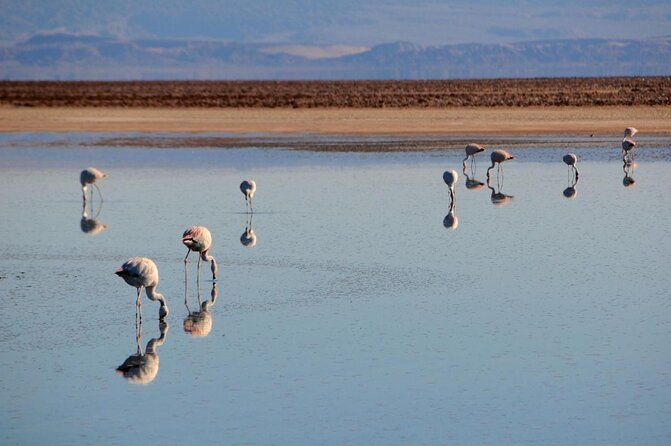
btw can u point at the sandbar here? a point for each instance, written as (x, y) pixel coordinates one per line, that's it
(564, 120)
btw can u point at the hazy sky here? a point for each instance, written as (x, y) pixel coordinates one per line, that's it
(353, 22)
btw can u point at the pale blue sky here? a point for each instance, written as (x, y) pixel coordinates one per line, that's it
(429, 22)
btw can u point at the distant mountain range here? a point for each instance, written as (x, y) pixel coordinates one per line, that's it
(85, 57)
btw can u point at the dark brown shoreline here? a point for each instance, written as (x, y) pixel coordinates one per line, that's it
(597, 91)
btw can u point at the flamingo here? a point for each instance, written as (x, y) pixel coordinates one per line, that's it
(498, 157)
(628, 144)
(199, 239)
(471, 150)
(248, 187)
(141, 272)
(630, 132)
(89, 176)
(570, 159)
(142, 368)
(451, 177)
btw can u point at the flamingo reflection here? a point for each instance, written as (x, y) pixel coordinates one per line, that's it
(199, 323)
(248, 238)
(498, 198)
(451, 221)
(142, 368)
(628, 167)
(570, 159)
(471, 182)
(91, 226)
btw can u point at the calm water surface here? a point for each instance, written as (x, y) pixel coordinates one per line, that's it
(357, 318)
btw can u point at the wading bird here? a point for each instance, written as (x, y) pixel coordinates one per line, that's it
(141, 272)
(630, 132)
(248, 187)
(570, 159)
(628, 145)
(199, 239)
(498, 157)
(451, 177)
(89, 176)
(471, 150)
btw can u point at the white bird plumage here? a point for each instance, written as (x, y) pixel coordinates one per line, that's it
(571, 160)
(497, 157)
(89, 176)
(471, 150)
(141, 272)
(451, 177)
(248, 187)
(199, 239)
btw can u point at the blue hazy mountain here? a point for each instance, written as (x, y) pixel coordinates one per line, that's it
(68, 56)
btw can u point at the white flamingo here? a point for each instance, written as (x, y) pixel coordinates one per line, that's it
(89, 176)
(471, 150)
(248, 187)
(571, 159)
(199, 239)
(628, 145)
(141, 272)
(498, 157)
(451, 177)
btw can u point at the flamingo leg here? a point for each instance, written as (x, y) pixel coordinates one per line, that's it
(99, 193)
(250, 205)
(138, 306)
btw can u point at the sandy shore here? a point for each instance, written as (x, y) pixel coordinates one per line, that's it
(431, 121)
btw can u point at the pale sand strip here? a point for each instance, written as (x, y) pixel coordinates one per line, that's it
(449, 121)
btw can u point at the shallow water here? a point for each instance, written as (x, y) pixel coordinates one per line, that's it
(357, 318)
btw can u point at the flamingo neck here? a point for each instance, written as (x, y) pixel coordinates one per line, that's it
(213, 263)
(154, 295)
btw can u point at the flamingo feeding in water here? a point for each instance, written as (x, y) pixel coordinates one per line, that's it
(248, 187)
(571, 159)
(628, 144)
(498, 157)
(471, 150)
(451, 177)
(199, 239)
(141, 272)
(89, 176)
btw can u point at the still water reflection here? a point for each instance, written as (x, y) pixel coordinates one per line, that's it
(142, 367)
(357, 320)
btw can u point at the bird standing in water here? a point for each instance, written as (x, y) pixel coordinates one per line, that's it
(471, 150)
(141, 272)
(498, 157)
(248, 187)
(199, 239)
(451, 177)
(570, 159)
(89, 176)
